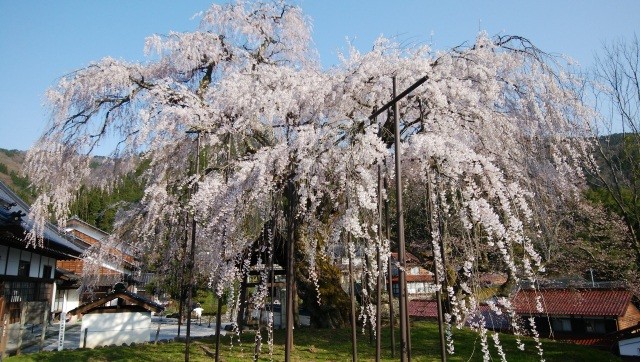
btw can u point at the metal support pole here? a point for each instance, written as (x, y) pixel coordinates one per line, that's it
(443, 346)
(365, 284)
(218, 328)
(408, 322)
(387, 223)
(404, 347)
(192, 255)
(182, 271)
(405, 339)
(242, 307)
(429, 212)
(380, 271)
(222, 256)
(352, 292)
(290, 269)
(398, 97)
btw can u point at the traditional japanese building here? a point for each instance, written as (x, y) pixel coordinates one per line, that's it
(420, 281)
(27, 272)
(119, 266)
(587, 316)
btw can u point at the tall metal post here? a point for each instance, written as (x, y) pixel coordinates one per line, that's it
(439, 295)
(354, 327)
(222, 257)
(443, 345)
(387, 224)
(192, 254)
(404, 347)
(380, 271)
(365, 284)
(241, 308)
(408, 322)
(290, 268)
(352, 292)
(218, 322)
(183, 267)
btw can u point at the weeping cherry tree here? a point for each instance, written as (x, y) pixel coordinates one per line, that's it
(286, 150)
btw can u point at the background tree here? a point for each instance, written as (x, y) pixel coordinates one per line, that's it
(616, 167)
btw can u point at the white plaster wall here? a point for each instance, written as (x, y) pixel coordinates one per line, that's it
(14, 256)
(630, 347)
(10, 257)
(115, 328)
(35, 267)
(73, 299)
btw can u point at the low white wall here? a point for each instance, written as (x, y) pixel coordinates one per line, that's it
(104, 329)
(73, 299)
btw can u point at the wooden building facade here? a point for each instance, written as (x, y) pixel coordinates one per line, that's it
(27, 273)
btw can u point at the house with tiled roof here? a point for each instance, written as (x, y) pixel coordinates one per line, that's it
(28, 272)
(120, 266)
(586, 316)
(420, 281)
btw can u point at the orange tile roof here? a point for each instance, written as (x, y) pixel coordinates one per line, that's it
(595, 341)
(585, 302)
(415, 278)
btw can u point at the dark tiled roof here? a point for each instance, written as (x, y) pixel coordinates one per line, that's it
(13, 230)
(423, 308)
(408, 257)
(492, 320)
(130, 298)
(585, 302)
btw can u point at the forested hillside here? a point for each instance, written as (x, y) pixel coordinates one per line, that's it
(11, 173)
(93, 205)
(98, 207)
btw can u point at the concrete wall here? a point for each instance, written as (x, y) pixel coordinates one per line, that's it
(105, 329)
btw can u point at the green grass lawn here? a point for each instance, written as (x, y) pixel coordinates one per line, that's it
(328, 345)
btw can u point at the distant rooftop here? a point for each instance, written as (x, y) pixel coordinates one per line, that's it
(562, 301)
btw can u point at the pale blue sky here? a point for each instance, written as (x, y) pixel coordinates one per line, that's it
(43, 40)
